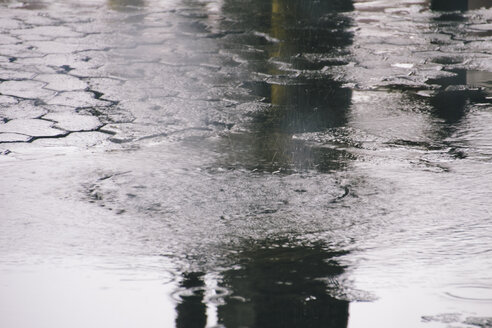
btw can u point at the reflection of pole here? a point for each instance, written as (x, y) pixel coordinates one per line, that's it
(284, 287)
(278, 32)
(277, 27)
(300, 104)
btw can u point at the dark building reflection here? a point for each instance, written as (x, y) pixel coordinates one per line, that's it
(462, 5)
(308, 37)
(191, 311)
(284, 47)
(457, 91)
(283, 286)
(451, 101)
(271, 283)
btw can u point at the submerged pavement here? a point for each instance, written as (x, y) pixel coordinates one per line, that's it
(252, 163)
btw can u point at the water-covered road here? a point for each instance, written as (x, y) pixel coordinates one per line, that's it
(245, 163)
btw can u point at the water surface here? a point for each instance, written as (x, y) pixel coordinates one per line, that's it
(253, 163)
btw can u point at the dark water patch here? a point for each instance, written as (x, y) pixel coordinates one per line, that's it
(97, 94)
(477, 4)
(482, 34)
(277, 284)
(459, 5)
(306, 106)
(449, 5)
(452, 12)
(457, 153)
(260, 89)
(450, 17)
(268, 283)
(65, 69)
(451, 105)
(444, 60)
(191, 311)
(284, 29)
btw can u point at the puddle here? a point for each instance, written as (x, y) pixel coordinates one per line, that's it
(462, 77)
(260, 147)
(455, 92)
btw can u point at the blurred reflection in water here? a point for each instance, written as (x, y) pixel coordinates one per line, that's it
(126, 5)
(309, 26)
(272, 284)
(191, 311)
(450, 5)
(308, 36)
(309, 106)
(283, 286)
(457, 91)
(304, 106)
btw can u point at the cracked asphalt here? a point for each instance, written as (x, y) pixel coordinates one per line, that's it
(43, 94)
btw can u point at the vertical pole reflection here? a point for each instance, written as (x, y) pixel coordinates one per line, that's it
(310, 37)
(191, 312)
(308, 33)
(284, 286)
